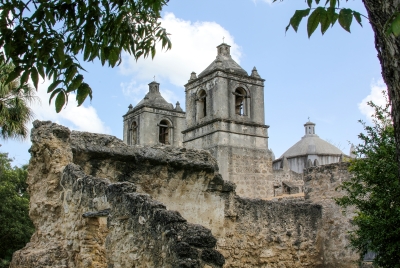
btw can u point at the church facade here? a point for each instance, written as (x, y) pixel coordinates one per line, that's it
(224, 115)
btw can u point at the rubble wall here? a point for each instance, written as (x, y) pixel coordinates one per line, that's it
(321, 186)
(248, 232)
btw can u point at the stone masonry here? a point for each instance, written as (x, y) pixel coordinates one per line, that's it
(97, 202)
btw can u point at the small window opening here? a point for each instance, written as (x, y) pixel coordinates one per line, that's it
(164, 132)
(202, 104)
(309, 163)
(133, 133)
(240, 96)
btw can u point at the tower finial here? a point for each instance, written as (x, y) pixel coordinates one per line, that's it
(154, 77)
(223, 39)
(309, 119)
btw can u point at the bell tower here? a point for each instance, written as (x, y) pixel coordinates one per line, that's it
(225, 115)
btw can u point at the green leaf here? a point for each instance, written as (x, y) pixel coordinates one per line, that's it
(309, 3)
(297, 17)
(332, 15)
(83, 91)
(395, 27)
(313, 21)
(40, 69)
(333, 3)
(88, 50)
(75, 83)
(60, 101)
(345, 18)
(24, 77)
(357, 16)
(324, 20)
(70, 73)
(60, 51)
(53, 86)
(53, 94)
(35, 77)
(113, 56)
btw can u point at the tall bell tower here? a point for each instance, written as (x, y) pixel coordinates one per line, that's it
(225, 115)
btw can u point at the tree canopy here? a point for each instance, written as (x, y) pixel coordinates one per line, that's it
(15, 226)
(15, 99)
(43, 38)
(326, 15)
(374, 190)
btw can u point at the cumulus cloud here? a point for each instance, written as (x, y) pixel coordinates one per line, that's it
(193, 49)
(376, 96)
(83, 118)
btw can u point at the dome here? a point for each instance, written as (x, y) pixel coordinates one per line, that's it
(154, 99)
(224, 61)
(311, 144)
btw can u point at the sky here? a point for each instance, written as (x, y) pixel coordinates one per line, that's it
(326, 78)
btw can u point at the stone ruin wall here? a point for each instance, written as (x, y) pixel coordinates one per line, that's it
(96, 202)
(321, 186)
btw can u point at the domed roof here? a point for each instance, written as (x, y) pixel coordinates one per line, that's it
(224, 61)
(154, 99)
(311, 144)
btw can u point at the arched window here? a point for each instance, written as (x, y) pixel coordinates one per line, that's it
(164, 133)
(240, 101)
(133, 133)
(309, 163)
(202, 104)
(316, 163)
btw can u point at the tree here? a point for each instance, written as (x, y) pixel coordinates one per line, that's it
(15, 112)
(45, 38)
(374, 190)
(384, 18)
(16, 228)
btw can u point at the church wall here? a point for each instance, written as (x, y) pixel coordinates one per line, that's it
(147, 120)
(250, 169)
(321, 187)
(249, 232)
(299, 163)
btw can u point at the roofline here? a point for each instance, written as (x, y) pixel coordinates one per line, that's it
(301, 155)
(224, 120)
(150, 106)
(224, 71)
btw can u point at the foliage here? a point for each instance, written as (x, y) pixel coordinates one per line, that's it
(44, 37)
(15, 226)
(14, 105)
(374, 190)
(331, 12)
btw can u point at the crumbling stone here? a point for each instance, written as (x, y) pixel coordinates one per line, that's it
(97, 202)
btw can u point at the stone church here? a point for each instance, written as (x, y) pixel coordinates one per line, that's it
(225, 115)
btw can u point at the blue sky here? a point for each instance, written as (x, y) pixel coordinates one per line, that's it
(326, 78)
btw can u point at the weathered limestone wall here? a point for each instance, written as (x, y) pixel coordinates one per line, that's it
(100, 173)
(321, 187)
(70, 209)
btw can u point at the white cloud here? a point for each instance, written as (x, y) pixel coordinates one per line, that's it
(193, 49)
(376, 96)
(83, 118)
